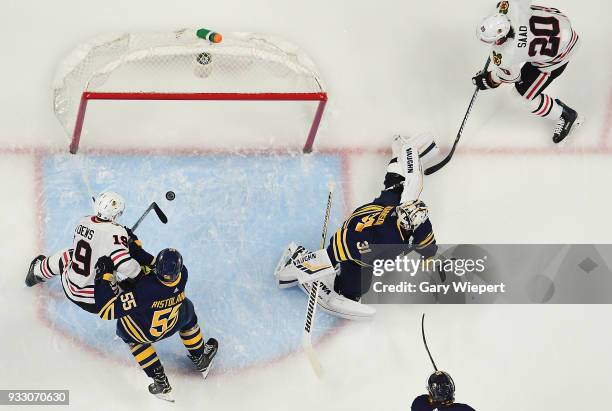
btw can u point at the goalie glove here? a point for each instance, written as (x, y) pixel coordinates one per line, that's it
(484, 81)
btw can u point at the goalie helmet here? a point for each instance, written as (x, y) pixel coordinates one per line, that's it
(109, 206)
(493, 29)
(412, 214)
(441, 388)
(168, 265)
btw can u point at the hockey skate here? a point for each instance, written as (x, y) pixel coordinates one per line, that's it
(204, 362)
(31, 279)
(338, 305)
(569, 119)
(161, 386)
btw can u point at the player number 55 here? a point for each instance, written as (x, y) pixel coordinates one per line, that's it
(128, 301)
(164, 320)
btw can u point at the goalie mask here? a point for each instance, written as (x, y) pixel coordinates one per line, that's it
(441, 388)
(109, 206)
(412, 215)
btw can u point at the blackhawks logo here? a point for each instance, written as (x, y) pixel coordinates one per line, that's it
(497, 58)
(503, 7)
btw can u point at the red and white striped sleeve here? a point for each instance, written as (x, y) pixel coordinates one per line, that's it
(125, 266)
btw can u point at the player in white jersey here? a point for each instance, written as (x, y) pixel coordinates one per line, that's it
(530, 47)
(94, 236)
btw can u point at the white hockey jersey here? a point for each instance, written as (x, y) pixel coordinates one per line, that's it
(94, 238)
(543, 36)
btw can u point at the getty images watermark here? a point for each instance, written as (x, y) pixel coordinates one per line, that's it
(439, 268)
(489, 274)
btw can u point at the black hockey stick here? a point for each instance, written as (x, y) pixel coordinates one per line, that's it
(448, 157)
(425, 342)
(160, 214)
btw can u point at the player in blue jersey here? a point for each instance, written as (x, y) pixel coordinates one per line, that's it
(441, 395)
(396, 217)
(153, 308)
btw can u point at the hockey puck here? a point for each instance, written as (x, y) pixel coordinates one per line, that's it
(170, 195)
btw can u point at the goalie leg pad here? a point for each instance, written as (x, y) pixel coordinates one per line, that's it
(428, 150)
(337, 305)
(412, 170)
(300, 265)
(285, 278)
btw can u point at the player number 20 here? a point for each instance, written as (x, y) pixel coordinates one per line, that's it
(546, 31)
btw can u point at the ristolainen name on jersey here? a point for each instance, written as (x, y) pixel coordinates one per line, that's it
(426, 287)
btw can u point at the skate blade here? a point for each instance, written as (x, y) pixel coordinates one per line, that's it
(166, 397)
(577, 123)
(207, 370)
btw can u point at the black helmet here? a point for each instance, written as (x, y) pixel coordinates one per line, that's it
(441, 387)
(168, 265)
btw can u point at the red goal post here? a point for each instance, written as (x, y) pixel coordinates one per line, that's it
(180, 66)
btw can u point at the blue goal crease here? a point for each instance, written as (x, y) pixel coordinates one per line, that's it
(232, 217)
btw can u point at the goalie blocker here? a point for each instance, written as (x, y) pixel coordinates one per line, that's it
(397, 216)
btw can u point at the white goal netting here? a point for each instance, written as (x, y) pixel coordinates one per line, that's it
(181, 66)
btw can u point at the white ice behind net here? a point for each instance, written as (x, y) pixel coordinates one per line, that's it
(180, 62)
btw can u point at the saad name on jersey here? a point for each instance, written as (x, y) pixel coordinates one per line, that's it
(85, 232)
(522, 39)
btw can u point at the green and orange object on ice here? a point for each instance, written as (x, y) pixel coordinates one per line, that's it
(209, 35)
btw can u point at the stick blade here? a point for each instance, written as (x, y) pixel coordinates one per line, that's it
(312, 356)
(160, 214)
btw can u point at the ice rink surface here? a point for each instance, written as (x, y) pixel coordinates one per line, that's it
(389, 67)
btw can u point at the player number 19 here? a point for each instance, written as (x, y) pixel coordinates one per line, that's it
(81, 259)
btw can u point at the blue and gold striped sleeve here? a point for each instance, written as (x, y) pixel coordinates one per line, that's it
(425, 240)
(341, 248)
(109, 305)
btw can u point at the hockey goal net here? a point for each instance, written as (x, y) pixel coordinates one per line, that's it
(180, 66)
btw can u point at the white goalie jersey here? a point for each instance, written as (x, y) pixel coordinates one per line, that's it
(542, 36)
(94, 238)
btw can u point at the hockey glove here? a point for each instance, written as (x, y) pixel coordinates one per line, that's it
(483, 81)
(104, 269)
(132, 238)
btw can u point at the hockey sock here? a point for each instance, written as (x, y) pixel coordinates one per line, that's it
(146, 357)
(193, 341)
(545, 106)
(53, 265)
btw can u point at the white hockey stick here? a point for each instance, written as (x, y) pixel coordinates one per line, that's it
(85, 177)
(314, 295)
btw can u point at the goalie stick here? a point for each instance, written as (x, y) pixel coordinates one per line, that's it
(448, 157)
(314, 295)
(425, 342)
(160, 214)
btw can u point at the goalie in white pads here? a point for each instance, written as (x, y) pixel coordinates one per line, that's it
(94, 236)
(530, 47)
(397, 216)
